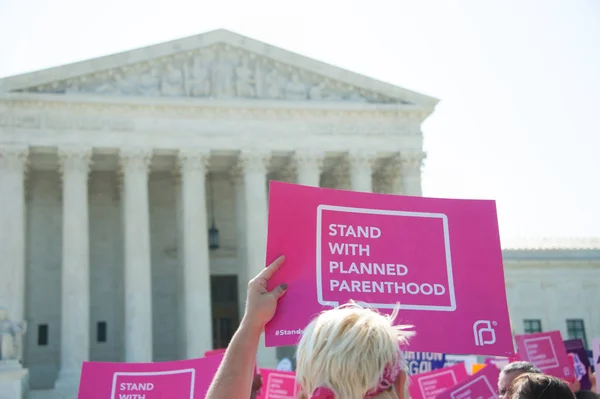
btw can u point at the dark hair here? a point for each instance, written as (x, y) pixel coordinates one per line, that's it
(539, 386)
(523, 367)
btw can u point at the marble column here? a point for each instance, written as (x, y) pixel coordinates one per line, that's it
(74, 165)
(13, 164)
(237, 179)
(410, 171)
(138, 275)
(255, 165)
(361, 170)
(196, 260)
(309, 165)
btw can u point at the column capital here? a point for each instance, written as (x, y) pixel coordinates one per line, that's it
(194, 158)
(74, 159)
(14, 157)
(309, 158)
(137, 158)
(362, 159)
(411, 162)
(255, 161)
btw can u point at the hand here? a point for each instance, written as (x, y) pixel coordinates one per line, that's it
(592, 376)
(260, 303)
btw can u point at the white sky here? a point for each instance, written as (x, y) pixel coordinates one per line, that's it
(519, 80)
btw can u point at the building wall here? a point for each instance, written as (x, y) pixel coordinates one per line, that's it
(44, 258)
(553, 286)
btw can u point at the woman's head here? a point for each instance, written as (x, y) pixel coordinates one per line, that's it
(539, 386)
(353, 352)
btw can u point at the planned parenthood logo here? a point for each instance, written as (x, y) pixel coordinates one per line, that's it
(481, 328)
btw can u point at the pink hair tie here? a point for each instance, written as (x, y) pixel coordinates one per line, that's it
(322, 393)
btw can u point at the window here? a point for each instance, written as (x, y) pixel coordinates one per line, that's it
(43, 334)
(576, 329)
(532, 326)
(101, 331)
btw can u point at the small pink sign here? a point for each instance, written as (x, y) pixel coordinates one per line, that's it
(429, 385)
(481, 385)
(278, 384)
(440, 258)
(547, 352)
(596, 360)
(184, 379)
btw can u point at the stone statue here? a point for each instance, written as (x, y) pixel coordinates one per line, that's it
(273, 84)
(10, 336)
(105, 88)
(319, 92)
(245, 80)
(197, 79)
(223, 77)
(149, 83)
(127, 84)
(172, 82)
(295, 89)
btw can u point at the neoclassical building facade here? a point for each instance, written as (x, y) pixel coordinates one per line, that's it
(134, 197)
(134, 188)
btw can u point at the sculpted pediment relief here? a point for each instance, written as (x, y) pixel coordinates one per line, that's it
(220, 71)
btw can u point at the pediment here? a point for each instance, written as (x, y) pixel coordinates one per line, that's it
(223, 66)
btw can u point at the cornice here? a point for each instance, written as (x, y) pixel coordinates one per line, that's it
(187, 106)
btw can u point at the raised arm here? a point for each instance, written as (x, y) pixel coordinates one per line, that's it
(235, 375)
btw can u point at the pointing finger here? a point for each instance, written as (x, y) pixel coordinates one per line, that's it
(268, 272)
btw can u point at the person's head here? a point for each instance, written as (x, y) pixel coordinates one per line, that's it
(352, 352)
(512, 371)
(539, 386)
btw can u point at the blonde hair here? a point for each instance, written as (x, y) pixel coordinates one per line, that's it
(347, 350)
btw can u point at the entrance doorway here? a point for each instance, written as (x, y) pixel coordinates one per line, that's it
(225, 313)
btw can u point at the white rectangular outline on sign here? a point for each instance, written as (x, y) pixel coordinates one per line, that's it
(442, 216)
(151, 373)
(284, 376)
(554, 357)
(436, 375)
(481, 377)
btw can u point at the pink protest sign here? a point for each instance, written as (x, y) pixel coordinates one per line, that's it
(547, 351)
(596, 360)
(185, 379)
(278, 384)
(482, 384)
(429, 385)
(439, 258)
